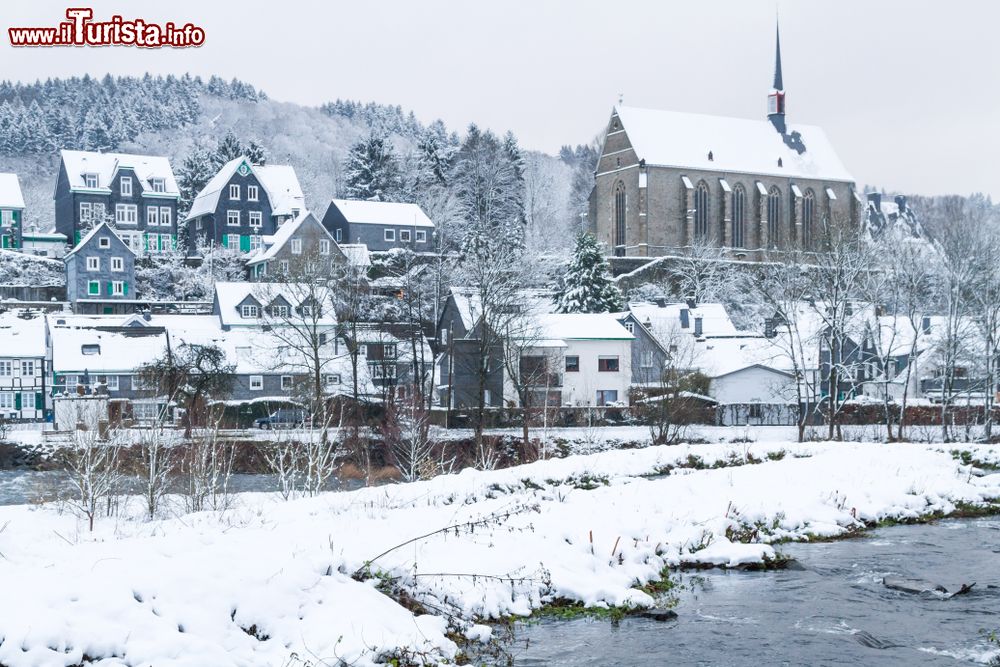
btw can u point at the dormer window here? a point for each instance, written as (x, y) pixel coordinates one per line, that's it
(248, 311)
(159, 185)
(90, 350)
(126, 186)
(90, 180)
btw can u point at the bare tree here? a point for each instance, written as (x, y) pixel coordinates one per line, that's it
(156, 463)
(705, 274)
(207, 468)
(94, 472)
(413, 448)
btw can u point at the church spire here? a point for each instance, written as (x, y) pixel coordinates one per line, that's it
(776, 98)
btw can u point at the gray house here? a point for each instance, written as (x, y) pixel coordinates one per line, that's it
(11, 211)
(100, 273)
(138, 192)
(298, 246)
(243, 203)
(380, 225)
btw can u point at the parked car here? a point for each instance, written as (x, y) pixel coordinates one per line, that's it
(282, 418)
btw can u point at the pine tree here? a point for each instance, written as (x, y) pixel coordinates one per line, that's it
(372, 170)
(586, 287)
(194, 172)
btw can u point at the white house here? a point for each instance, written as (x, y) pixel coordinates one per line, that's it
(22, 365)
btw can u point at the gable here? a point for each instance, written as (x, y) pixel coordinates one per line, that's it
(248, 300)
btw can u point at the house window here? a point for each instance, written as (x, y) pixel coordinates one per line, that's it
(6, 368)
(404, 235)
(86, 211)
(701, 211)
(607, 364)
(755, 411)
(233, 241)
(126, 214)
(739, 216)
(71, 381)
(27, 367)
(573, 364)
(90, 181)
(283, 266)
(252, 193)
(389, 235)
(152, 216)
(117, 264)
(421, 236)
(279, 311)
(773, 216)
(389, 351)
(165, 215)
(94, 288)
(808, 211)
(296, 246)
(338, 236)
(256, 219)
(112, 382)
(126, 183)
(606, 396)
(6, 401)
(104, 242)
(159, 185)
(256, 382)
(234, 191)
(619, 215)
(286, 380)
(383, 371)
(248, 311)
(166, 242)
(93, 263)
(324, 247)
(629, 326)
(117, 288)
(255, 242)
(233, 218)
(332, 379)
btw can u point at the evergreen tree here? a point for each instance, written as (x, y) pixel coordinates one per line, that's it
(372, 170)
(229, 148)
(587, 287)
(192, 175)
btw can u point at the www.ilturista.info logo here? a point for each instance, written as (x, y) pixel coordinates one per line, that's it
(80, 30)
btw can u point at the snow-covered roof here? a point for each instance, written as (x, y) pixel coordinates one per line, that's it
(582, 326)
(274, 243)
(737, 145)
(664, 322)
(22, 336)
(357, 254)
(106, 351)
(362, 212)
(93, 232)
(469, 309)
(230, 295)
(10, 192)
(279, 182)
(716, 357)
(146, 167)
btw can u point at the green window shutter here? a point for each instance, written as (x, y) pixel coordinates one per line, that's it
(39, 403)
(94, 288)
(76, 238)
(16, 215)
(17, 401)
(244, 243)
(173, 242)
(110, 289)
(5, 242)
(225, 240)
(125, 288)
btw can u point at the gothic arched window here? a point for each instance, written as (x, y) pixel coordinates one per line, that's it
(808, 213)
(619, 218)
(701, 211)
(739, 215)
(773, 216)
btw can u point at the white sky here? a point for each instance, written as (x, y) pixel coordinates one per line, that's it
(906, 89)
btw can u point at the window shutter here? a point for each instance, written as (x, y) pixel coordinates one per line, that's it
(111, 289)
(244, 243)
(17, 400)
(225, 240)
(125, 288)
(39, 405)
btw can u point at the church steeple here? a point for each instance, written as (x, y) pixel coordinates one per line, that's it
(776, 98)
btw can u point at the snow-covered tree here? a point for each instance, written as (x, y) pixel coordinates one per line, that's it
(372, 170)
(587, 287)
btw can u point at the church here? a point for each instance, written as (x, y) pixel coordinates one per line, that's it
(666, 181)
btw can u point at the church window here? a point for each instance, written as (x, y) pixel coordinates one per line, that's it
(739, 215)
(701, 211)
(619, 218)
(808, 213)
(773, 216)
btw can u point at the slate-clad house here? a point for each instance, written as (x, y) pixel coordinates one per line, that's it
(11, 212)
(243, 203)
(22, 365)
(298, 246)
(380, 225)
(100, 273)
(138, 192)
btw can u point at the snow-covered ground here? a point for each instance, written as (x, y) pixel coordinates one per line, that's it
(268, 578)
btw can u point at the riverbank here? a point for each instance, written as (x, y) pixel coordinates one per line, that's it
(266, 578)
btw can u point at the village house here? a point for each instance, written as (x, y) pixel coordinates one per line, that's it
(137, 192)
(100, 273)
(11, 212)
(666, 181)
(301, 247)
(243, 203)
(380, 225)
(22, 366)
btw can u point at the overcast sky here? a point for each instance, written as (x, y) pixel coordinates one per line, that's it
(906, 89)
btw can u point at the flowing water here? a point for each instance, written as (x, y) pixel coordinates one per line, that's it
(835, 611)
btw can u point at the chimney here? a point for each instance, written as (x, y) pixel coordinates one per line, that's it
(660, 302)
(691, 302)
(684, 318)
(875, 198)
(697, 326)
(901, 203)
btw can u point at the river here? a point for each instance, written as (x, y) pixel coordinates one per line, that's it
(835, 611)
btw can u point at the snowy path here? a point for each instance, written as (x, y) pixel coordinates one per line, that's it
(269, 578)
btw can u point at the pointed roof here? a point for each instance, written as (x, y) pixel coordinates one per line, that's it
(279, 181)
(274, 243)
(778, 85)
(364, 212)
(105, 165)
(91, 234)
